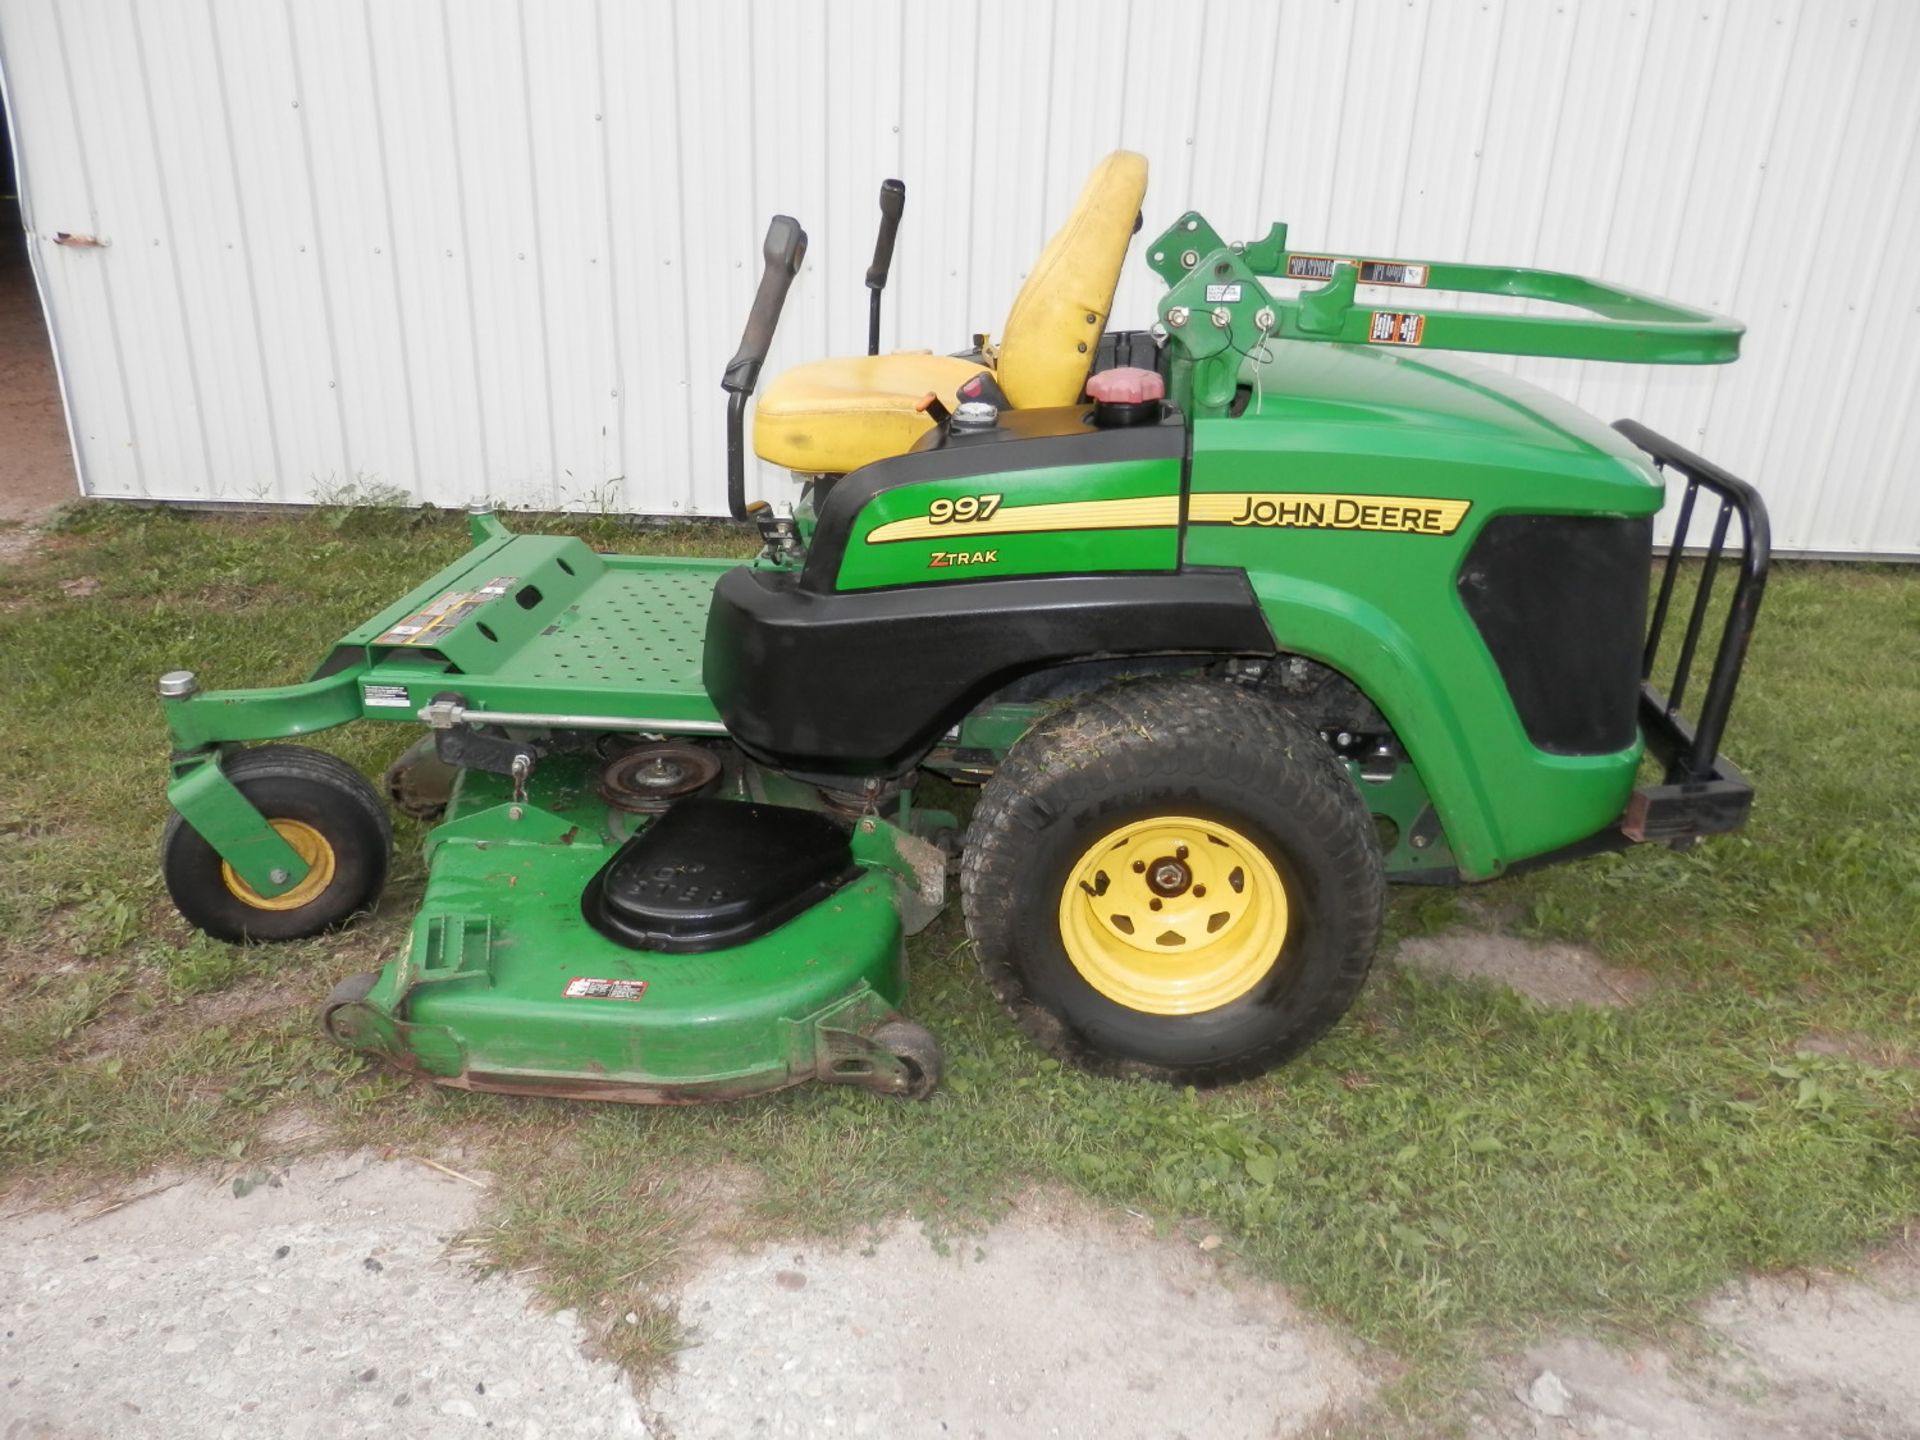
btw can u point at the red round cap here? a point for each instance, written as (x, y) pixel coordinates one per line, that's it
(1126, 385)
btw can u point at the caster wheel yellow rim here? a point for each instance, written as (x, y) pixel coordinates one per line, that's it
(312, 847)
(1173, 915)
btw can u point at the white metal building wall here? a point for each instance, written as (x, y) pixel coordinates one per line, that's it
(464, 247)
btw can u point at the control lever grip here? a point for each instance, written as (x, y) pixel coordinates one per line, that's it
(785, 248)
(893, 200)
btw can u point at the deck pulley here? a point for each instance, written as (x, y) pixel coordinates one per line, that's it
(648, 778)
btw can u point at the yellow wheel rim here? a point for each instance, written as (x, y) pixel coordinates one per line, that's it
(1173, 915)
(312, 847)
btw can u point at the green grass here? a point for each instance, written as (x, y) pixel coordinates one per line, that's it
(1452, 1169)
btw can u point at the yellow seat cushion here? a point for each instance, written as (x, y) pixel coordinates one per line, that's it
(1057, 319)
(832, 416)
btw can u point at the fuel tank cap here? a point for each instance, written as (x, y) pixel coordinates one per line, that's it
(1126, 395)
(975, 415)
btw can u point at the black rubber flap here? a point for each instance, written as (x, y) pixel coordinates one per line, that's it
(710, 874)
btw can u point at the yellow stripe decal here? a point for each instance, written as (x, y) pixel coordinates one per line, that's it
(1142, 513)
(1289, 510)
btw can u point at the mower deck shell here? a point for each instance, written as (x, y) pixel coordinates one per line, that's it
(495, 988)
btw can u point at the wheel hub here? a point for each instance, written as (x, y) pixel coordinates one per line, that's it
(1174, 915)
(312, 848)
(1168, 877)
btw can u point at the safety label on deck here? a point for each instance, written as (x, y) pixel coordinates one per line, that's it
(425, 626)
(1396, 327)
(583, 988)
(385, 697)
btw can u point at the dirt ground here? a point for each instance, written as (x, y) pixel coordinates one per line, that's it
(1059, 1321)
(36, 463)
(333, 1299)
(332, 1296)
(1546, 974)
(1804, 1357)
(323, 1302)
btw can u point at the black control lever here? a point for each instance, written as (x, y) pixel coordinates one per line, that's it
(785, 248)
(893, 199)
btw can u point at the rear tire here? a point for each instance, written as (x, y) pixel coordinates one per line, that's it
(322, 805)
(1214, 961)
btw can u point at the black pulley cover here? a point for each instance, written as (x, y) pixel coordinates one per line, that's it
(710, 874)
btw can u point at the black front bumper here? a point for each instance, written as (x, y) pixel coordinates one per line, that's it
(1681, 810)
(1701, 792)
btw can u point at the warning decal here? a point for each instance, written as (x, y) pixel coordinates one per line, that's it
(1391, 272)
(1396, 327)
(583, 988)
(385, 697)
(1372, 272)
(425, 626)
(1313, 267)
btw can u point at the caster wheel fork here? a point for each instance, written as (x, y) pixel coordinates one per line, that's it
(350, 991)
(896, 1057)
(916, 1053)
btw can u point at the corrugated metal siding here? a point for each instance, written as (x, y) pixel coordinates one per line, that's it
(493, 247)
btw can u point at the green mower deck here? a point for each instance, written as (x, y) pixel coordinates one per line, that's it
(501, 973)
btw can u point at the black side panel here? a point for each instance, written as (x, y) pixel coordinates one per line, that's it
(711, 874)
(1561, 601)
(865, 682)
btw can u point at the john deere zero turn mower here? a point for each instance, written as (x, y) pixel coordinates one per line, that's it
(1234, 621)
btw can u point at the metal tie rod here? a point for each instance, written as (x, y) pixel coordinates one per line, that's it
(446, 714)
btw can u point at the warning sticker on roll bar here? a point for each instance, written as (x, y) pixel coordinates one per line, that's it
(1396, 327)
(582, 987)
(1372, 272)
(1391, 272)
(1313, 267)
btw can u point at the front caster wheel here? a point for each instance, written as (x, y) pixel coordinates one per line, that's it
(897, 1058)
(325, 810)
(350, 991)
(1173, 878)
(916, 1052)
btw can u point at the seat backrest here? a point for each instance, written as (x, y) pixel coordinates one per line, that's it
(1059, 315)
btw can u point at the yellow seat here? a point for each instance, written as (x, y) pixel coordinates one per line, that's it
(832, 416)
